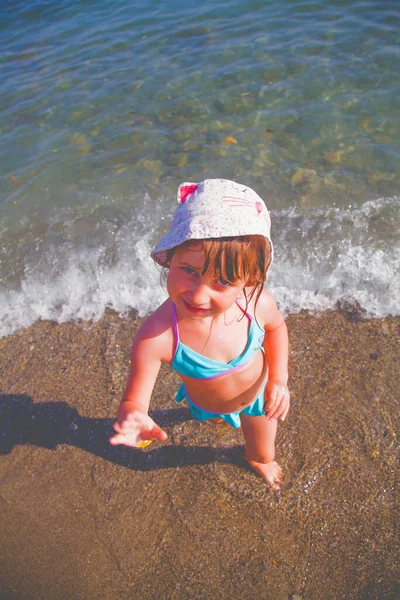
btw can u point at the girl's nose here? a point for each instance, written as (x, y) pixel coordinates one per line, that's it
(199, 295)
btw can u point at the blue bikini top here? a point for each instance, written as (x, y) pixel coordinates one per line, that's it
(190, 363)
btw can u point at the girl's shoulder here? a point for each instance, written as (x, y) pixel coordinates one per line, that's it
(266, 312)
(157, 332)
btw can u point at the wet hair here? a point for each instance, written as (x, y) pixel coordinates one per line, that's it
(244, 258)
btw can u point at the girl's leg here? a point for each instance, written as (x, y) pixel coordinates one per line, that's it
(259, 434)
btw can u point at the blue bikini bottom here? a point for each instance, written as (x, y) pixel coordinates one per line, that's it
(255, 409)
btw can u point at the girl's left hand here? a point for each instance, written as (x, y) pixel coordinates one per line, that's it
(277, 398)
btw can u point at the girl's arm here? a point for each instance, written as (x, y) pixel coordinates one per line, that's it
(150, 348)
(276, 345)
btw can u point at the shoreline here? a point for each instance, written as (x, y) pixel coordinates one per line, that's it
(83, 519)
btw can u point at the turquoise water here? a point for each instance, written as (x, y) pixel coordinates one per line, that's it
(108, 106)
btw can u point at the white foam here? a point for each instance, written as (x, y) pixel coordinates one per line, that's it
(339, 255)
(83, 289)
(330, 256)
(361, 275)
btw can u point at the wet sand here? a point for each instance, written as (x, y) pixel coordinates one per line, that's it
(186, 518)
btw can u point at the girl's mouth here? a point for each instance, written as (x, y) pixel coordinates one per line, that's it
(193, 309)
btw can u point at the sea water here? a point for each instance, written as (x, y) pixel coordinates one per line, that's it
(107, 106)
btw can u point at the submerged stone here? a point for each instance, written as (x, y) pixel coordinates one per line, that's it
(80, 140)
(302, 175)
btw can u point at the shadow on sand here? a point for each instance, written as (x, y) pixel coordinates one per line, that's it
(50, 424)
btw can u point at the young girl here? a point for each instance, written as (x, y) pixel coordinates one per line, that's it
(219, 329)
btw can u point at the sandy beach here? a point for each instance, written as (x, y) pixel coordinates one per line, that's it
(186, 518)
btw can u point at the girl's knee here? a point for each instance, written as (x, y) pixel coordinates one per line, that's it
(258, 427)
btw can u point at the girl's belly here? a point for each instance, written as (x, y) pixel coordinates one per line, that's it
(230, 392)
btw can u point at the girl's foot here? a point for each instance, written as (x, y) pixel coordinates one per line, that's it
(270, 472)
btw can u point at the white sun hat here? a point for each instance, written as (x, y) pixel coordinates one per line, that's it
(214, 208)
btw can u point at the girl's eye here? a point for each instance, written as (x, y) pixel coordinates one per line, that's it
(189, 270)
(224, 282)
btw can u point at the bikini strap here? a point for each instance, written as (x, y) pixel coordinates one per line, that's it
(244, 311)
(175, 328)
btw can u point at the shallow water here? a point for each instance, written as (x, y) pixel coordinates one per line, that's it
(106, 109)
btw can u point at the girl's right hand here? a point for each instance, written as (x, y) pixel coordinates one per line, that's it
(135, 428)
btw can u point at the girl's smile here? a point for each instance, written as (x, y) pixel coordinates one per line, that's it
(193, 309)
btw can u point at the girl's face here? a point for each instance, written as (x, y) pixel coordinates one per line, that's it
(195, 294)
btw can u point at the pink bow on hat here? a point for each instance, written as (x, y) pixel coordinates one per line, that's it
(185, 191)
